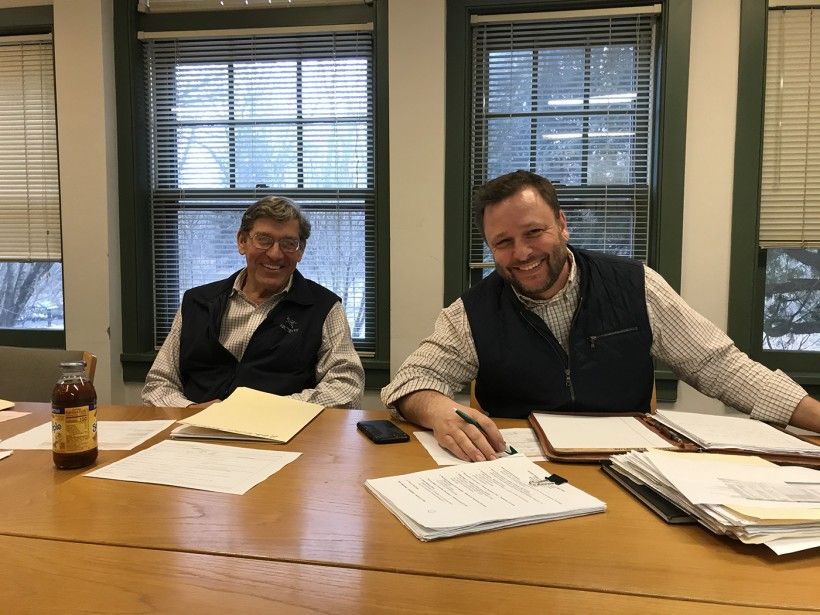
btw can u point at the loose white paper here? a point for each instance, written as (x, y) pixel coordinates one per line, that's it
(111, 435)
(522, 439)
(5, 404)
(4, 454)
(196, 465)
(7, 415)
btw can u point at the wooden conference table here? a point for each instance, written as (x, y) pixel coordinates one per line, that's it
(312, 538)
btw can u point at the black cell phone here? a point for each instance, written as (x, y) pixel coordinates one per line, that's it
(382, 432)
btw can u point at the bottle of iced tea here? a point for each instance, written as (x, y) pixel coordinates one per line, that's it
(74, 418)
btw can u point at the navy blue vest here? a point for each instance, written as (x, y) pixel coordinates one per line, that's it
(523, 368)
(281, 355)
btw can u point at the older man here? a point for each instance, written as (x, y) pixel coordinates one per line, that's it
(265, 327)
(560, 328)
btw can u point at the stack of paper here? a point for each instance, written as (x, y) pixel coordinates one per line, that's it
(714, 432)
(746, 497)
(252, 415)
(489, 495)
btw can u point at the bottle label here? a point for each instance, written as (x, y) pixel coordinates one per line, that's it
(74, 430)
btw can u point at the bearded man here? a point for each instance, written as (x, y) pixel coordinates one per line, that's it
(555, 327)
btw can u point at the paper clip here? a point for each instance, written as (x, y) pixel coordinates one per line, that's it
(553, 479)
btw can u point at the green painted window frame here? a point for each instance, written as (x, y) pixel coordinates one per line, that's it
(748, 262)
(135, 224)
(666, 190)
(18, 21)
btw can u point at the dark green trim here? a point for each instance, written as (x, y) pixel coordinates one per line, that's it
(26, 20)
(666, 215)
(254, 18)
(133, 150)
(748, 261)
(666, 386)
(32, 338)
(382, 197)
(748, 156)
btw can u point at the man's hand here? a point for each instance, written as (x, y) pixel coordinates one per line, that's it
(438, 412)
(203, 405)
(807, 414)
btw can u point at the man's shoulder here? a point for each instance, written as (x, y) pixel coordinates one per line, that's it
(490, 288)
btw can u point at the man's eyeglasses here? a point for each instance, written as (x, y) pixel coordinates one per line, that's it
(261, 241)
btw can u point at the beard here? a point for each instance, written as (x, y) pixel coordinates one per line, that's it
(555, 259)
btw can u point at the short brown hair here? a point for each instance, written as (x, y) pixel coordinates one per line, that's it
(278, 208)
(500, 188)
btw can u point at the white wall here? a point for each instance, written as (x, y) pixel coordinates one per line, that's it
(710, 152)
(417, 76)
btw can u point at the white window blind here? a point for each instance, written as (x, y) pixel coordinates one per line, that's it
(570, 99)
(237, 118)
(29, 186)
(790, 187)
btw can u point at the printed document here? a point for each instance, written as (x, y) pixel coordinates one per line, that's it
(196, 465)
(254, 413)
(480, 496)
(522, 439)
(111, 435)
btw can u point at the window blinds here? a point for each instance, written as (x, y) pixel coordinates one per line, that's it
(29, 181)
(790, 185)
(570, 99)
(237, 118)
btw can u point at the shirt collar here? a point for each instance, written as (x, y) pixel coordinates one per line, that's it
(239, 282)
(568, 290)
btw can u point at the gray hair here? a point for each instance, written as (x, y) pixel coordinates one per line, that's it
(277, 208)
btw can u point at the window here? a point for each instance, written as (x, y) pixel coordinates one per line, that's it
(570, 98)
(790, 194)
(775, 306)
(234, 119)
(31, 288)
(218, 109)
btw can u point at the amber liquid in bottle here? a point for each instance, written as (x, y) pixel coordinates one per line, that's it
(74, 418)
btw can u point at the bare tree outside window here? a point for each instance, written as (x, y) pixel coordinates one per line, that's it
(791, 313)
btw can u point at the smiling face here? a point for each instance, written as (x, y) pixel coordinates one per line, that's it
(269, 270)
(529, 244)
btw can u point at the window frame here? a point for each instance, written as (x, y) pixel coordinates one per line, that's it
(747, 274)
(669, 147)
(19, 21)
(135, 217)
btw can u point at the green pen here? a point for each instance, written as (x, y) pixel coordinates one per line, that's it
(510, 450)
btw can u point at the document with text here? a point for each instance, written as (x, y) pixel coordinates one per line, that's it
(197, 465)
(111, 435)
(478, 497)
(522, 439)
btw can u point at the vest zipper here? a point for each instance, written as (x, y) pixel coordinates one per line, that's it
(594, 338)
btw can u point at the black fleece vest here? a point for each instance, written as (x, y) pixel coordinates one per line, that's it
(523, 368)
(281, 355)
